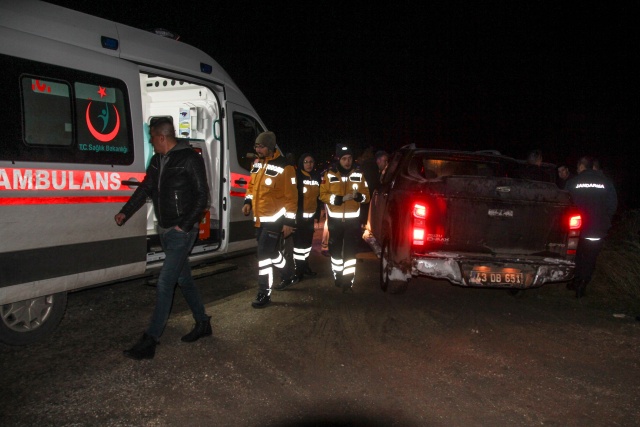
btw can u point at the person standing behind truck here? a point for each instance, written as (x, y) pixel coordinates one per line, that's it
(343, 190)
(176, 182)
(273, 196)
(597, 200)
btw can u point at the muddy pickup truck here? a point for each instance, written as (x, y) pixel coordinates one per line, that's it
(474, 218)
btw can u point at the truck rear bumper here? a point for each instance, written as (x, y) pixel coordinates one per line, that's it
(514, 273)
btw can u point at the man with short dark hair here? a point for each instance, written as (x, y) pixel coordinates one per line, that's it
(176, 182)
(382, 160)
(563, 176)
(273, 196)
(533, 168)
(597, 200)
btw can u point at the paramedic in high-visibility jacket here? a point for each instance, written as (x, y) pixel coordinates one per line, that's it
(273, 196)
(343, 189)
(309, 207)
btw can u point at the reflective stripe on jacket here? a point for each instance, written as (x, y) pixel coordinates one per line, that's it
(272, 192)
(308, 192)
(334, 184)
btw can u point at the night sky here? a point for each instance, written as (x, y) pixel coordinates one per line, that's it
(511, 76)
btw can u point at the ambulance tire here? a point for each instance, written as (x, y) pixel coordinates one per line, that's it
(30, 321)
(386, 284)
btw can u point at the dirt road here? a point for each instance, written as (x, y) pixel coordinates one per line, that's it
(438, 355)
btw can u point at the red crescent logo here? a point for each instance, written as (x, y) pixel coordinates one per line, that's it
(103, 137)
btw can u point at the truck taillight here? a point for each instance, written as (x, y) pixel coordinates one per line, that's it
(575, 222)
(420, 213)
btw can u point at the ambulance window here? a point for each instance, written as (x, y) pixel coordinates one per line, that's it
(58, 114)
(47, 113)
(246, 129)
(101, 121)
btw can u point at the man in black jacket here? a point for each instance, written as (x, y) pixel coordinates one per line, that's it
(177, 184)
(597, 200)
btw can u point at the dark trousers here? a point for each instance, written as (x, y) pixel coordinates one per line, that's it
(586, 257)
(302, 240)
(344, 236)
(269, 255)
(176, 245)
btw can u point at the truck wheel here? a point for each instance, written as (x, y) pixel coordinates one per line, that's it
(386, 284)
(29, 321)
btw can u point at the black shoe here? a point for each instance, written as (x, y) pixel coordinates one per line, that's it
(284, 284)
(338, 282)
(201, 329)
(347, 286)
(309, 272)
(145, 348)
(261, 301)
(580, 292)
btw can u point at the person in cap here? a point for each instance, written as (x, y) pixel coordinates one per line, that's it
(273, 196)
(343, 189)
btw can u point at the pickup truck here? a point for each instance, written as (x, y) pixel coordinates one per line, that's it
(473, 218)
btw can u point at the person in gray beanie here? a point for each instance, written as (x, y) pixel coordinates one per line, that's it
(273, 197)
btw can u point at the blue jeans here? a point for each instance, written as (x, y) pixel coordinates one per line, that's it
(176, 269)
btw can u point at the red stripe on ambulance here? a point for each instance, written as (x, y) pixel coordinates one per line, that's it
(18, 179)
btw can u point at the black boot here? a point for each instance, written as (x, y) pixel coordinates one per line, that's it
(308, 271)
(201, 329)
(261, 301)
(145, 348)
(580, 286)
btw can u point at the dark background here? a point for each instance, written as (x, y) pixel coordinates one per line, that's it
(509, 76)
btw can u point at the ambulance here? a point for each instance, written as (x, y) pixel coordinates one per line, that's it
(78, 94)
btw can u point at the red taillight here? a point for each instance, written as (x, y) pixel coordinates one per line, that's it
(420, 213)
(575, 222)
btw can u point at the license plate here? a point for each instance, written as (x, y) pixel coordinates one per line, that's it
(482, 277)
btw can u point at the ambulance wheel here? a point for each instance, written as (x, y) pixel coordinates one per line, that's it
(30, 321)
(386, 284)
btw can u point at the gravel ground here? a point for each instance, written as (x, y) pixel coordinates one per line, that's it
(439, 355)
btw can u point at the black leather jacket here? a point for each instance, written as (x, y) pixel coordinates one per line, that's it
(180, 192)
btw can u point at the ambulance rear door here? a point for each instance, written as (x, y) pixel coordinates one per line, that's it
(243, 126)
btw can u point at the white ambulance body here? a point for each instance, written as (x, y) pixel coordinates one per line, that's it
(78, 94)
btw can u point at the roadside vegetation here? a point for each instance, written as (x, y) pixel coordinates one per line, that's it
(616, 282)
(615, 286)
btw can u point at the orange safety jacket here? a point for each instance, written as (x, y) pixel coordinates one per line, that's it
(272, 192)
(334, 185)
(310, 189)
